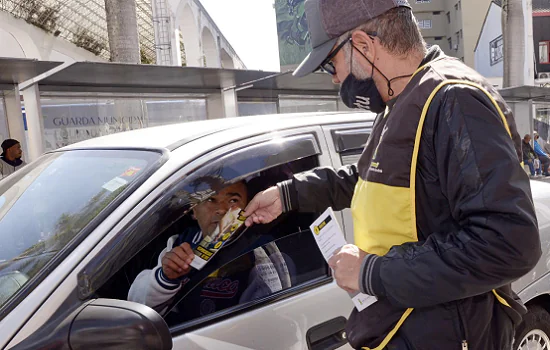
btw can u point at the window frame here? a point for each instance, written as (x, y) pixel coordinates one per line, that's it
(349, 139)
(424, 22)
(347, 143)
(547, 44)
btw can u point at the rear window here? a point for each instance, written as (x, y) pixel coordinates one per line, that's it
(46, 204)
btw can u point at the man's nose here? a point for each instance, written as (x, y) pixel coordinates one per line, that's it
(335, 79)
(222, 209)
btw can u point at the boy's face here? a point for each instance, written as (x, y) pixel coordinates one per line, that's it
(210, 212)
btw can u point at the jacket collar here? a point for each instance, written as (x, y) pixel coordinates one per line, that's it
(14, 163)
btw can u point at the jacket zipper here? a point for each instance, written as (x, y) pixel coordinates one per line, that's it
(462, 328)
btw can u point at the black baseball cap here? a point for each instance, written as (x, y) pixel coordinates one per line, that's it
(328, 19)
(8, 143)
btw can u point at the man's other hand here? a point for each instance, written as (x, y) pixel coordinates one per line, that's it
(346, 264)
(265, 207)
(176, 263)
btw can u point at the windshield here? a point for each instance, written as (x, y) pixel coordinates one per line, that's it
(48, 203)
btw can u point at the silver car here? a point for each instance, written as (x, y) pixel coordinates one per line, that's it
(79, 224)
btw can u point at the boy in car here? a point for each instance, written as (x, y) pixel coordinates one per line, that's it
(254, 275)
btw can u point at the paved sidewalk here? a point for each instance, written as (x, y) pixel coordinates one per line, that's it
(540, 178)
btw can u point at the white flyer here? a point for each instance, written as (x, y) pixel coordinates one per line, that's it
(330, 238)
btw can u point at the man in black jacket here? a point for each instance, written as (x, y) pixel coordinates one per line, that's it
(443, 215)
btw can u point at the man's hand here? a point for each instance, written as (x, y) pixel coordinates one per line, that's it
(265, 207)
(176, 263)
(346, 265)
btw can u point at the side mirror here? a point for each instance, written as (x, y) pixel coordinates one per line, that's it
(107, 324)
(103, 324)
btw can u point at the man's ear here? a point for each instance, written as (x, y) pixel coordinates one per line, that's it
(193, 214)
(364, 43)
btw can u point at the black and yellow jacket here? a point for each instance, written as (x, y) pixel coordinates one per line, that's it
(443, 206)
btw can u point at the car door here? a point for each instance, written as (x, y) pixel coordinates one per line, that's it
(310, 313)
(286, 319)
(346, 143)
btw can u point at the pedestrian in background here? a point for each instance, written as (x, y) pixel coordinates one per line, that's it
(10, 160)
(543, 157)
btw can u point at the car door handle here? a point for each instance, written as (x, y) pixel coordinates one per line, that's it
(328, 335)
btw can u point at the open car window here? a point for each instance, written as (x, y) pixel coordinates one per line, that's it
(265, 262)
(269, 161)
(240, 280)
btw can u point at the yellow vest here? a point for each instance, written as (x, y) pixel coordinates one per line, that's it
(384, 202)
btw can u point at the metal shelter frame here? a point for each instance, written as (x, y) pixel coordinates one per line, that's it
(222, 89)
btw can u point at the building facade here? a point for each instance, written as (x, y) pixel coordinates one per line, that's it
(489, 51)
(489, 54)
(454, 25)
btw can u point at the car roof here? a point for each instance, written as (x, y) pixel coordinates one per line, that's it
(175, 135)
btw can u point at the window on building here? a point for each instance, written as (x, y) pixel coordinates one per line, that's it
(425, 23)
(436, 13)
(448, 17)
(496, 50)
(438, 38)
(456, 7)
(457, 34)
(450, 40)
(460, 32)
(544, 57)
(459, 5)
(423, 1)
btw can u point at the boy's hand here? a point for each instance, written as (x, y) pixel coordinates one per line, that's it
(176, 263)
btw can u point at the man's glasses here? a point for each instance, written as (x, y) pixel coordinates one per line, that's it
(327, 66)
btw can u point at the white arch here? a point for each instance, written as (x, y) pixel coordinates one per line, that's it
(10, 45)
(22, 32)
(210, 49)
(188, 26)
(227, 60)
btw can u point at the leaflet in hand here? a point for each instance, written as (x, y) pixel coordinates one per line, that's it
(228, 226)
(330, 238)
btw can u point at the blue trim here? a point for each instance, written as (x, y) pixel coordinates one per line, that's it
(538, 149)
(164, 281)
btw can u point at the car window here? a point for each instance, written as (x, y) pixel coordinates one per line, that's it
(253, 161)
(349, 143)
(273, 269)
(48, 203)
(283, 258)
(265, 262)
